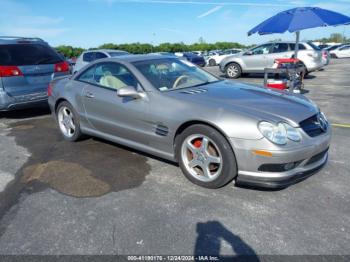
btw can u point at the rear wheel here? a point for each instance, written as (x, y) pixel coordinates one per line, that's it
(68, 122)
(205, 156)
(233, 70)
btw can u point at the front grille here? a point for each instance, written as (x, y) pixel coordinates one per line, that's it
(317, 157)
(312, 126)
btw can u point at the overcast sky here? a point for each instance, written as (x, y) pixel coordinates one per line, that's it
(89, 23)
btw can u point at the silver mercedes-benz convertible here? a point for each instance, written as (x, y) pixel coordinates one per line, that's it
(217, 130)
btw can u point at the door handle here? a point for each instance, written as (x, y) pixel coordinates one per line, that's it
(89, 95)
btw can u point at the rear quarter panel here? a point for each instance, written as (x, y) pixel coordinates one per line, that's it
(66, 89)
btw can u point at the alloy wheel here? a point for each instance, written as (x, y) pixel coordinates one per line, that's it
(66, 121)
(232, 71)
(201, 157)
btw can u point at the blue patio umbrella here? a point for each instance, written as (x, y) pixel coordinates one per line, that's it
(297, 19)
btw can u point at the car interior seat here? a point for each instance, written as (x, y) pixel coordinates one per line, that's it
(111, 81)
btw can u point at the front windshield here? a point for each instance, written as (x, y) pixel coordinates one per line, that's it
(171, 73)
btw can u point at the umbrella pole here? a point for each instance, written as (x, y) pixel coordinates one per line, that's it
(297, 33)
(294, 88)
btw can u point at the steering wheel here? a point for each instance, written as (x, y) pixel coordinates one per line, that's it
(179, 79)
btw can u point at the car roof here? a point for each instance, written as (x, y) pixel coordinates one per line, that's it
(20, 40)
(287, 42)
(138, 58)
(104, 50)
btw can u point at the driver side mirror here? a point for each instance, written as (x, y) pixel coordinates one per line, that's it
(129, 91)
(249, 53)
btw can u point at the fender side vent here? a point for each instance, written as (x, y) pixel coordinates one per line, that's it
(162, 130)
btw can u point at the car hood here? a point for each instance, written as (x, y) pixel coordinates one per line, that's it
(259, 102)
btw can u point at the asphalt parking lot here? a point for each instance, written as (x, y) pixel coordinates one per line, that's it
(95, 197)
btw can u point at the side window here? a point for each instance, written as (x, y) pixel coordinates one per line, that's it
(345, 48)
(114, 76)
(262, 50)
(280, 47)
(88, 57)
(99, 55)
(301, 47)
(88, 75)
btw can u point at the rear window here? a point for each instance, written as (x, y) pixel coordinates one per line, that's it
(28, 54)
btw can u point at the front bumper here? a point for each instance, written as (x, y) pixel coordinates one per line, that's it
(307, 160)
(8, 103)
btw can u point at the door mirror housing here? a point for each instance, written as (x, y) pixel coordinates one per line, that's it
(248, 53)
(129, 91)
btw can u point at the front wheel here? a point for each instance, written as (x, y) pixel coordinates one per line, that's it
(68, 122)
(205, 157)
(233, 70)
(212, 62)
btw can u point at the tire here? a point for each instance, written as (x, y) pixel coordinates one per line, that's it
(305, 71)
(68, 122)
(233, 70)
(203, 146)
(212, 62)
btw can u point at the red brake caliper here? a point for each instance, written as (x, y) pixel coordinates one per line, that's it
(197, 143)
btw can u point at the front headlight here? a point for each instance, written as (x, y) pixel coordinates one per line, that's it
(280, 133)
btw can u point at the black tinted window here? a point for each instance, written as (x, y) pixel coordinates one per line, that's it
(88, 57)
(301, 47)
(345, 48)
(280, 47)
(333, 47)
(28, 54)
(99, 55)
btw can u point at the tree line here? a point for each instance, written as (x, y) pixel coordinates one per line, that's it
(201, 45)
(143, 48)
(334, 38)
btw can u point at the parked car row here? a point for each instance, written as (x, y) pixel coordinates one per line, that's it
(214, 58)
(256, 59)
(341, 51)
(27, 65)
(336, 50)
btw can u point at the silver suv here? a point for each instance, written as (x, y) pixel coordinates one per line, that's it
(27, 65)
(254, 60)
(91, 55)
